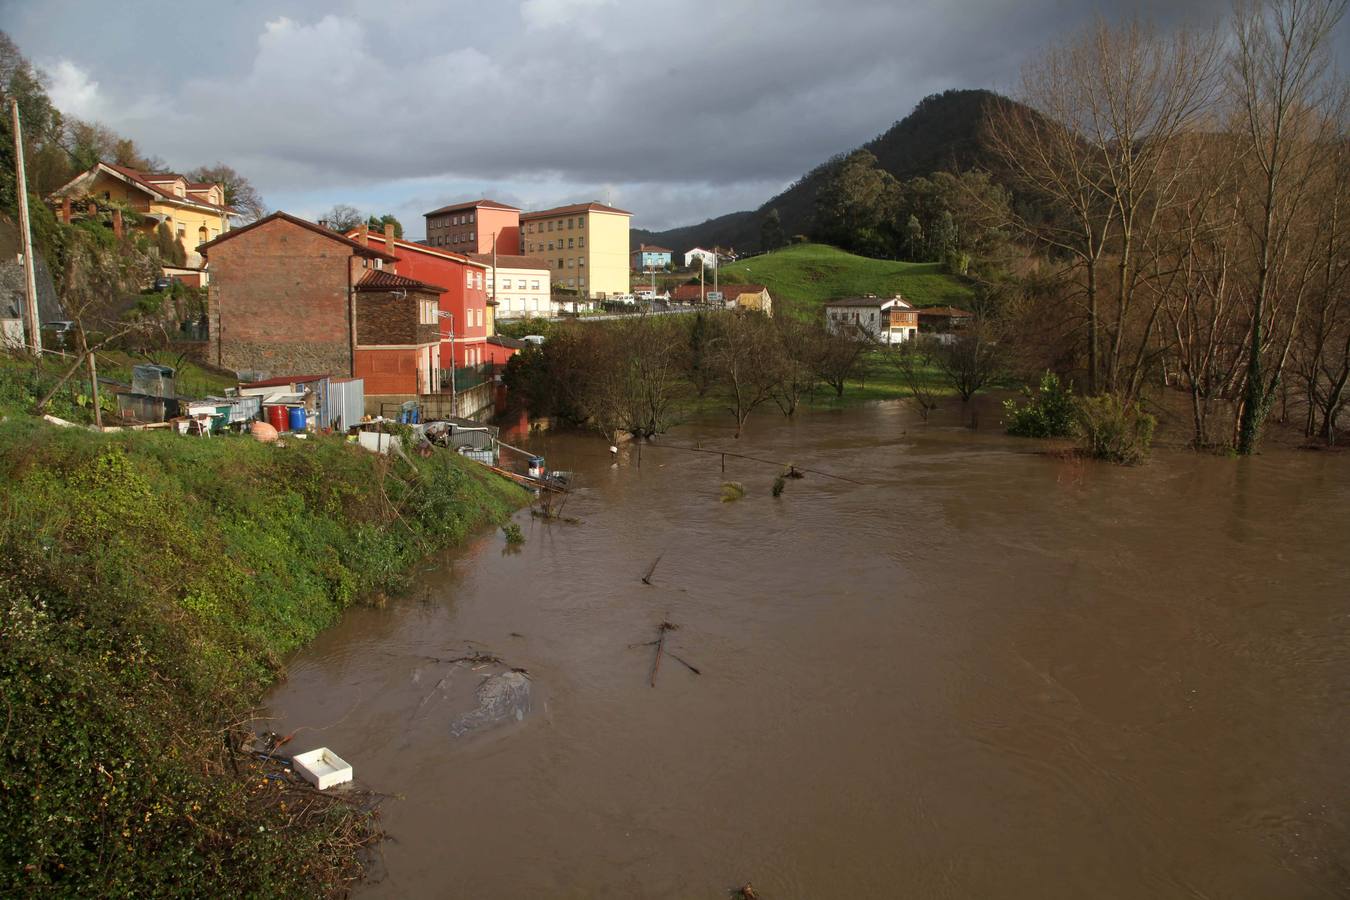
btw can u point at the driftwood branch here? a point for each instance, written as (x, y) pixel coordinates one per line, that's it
(647, 579)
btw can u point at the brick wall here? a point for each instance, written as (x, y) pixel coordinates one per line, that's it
(384, 318)
(278, 302)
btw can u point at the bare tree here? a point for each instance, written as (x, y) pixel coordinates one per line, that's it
(1100, 156)
(1284, 118)
(839, 356)
(913, 359)
(971, 358)
(746, 358)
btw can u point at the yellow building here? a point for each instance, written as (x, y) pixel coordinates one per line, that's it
(585, 245)
(195, 212)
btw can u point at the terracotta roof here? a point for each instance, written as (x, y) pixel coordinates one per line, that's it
(510, 262)
(472, 204)
(368, 252)
(143, 179)
(651, 248)
(687, 292)
(868, 301)
(419, 247)
(948, 311)
(503, 341)
(735, 290)
(381, 280)
(574, 208)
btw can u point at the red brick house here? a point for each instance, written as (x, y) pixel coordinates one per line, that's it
(287, 295)
(398, 351)
(464, 297)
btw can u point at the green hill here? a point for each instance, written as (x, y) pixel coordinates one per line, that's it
(806, 275)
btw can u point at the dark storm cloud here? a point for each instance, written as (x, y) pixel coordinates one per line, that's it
(691, 108)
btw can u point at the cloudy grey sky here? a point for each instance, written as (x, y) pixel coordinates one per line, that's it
(675, 109)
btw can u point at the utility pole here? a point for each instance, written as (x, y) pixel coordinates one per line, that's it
(26, 236)
(702, 298)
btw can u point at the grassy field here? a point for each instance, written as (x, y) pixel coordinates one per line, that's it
(804, 276)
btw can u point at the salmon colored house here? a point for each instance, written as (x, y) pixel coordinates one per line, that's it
(470, 227)
(463, 323)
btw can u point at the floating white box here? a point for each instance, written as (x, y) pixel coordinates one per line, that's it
(322, 768)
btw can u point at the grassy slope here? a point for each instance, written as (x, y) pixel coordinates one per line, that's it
(806, 275)
(150, 586)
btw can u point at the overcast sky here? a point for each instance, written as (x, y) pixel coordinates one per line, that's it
(677, 111)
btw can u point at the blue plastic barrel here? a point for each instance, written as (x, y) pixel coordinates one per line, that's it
(297, 417)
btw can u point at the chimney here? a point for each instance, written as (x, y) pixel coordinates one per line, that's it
(363, 238)
(389, 244)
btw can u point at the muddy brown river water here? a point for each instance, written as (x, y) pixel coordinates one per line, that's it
(987, 672)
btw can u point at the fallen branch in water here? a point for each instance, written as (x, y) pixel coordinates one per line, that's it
(647, 579)
(660, 645)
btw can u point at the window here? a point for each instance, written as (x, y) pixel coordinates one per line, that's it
(569, 224)
(581, 222)
(570, 243)
(581, 261)
(581, 241)
(534, 285)
(571, 282)
(506, 284)
(550, 225)
(560, 263)
(181, 231)
(471, 215)
(550, 245)
(571, 264)
(478, 280)
(468, 278)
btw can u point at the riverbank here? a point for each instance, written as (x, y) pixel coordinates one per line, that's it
(152, 586)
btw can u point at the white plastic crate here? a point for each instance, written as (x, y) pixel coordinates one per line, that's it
(322, 768)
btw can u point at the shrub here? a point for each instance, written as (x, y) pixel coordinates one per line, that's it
(514, 536)
(1046, 412)
(1110, 430)
(732, 491)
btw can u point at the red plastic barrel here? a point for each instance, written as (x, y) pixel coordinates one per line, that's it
(276, 417)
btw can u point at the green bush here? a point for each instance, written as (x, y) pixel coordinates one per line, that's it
(1046, 412)
(1110, 430)
(150, 586)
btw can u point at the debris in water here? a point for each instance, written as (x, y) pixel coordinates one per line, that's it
(745, 892)
(647, 579)
(732, 490)
(660, 645)
(502, 698)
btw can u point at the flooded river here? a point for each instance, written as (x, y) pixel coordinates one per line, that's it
(986, 672)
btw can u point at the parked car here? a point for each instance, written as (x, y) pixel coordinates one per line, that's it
(536, 339)
(647, 296)
(625, 299)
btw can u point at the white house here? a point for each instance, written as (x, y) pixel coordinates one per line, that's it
(890, 320)
(519, 284)
(709, 258)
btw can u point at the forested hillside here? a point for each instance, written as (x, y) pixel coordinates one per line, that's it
(943, 133)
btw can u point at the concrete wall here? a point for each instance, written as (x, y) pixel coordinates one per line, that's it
(607, 254)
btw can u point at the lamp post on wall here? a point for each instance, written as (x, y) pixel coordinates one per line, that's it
(454, 395)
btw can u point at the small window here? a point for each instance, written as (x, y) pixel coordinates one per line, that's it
(560, 263)
(534, 285)
(571, 264)
(468, 279)
(569, 224)
(571, 242)
(478, 280)
(506, 284)
(581, 241)
(471, 216)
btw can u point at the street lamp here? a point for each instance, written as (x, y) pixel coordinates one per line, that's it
(454, 396)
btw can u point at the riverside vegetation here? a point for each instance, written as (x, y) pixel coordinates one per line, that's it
(151, 588)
